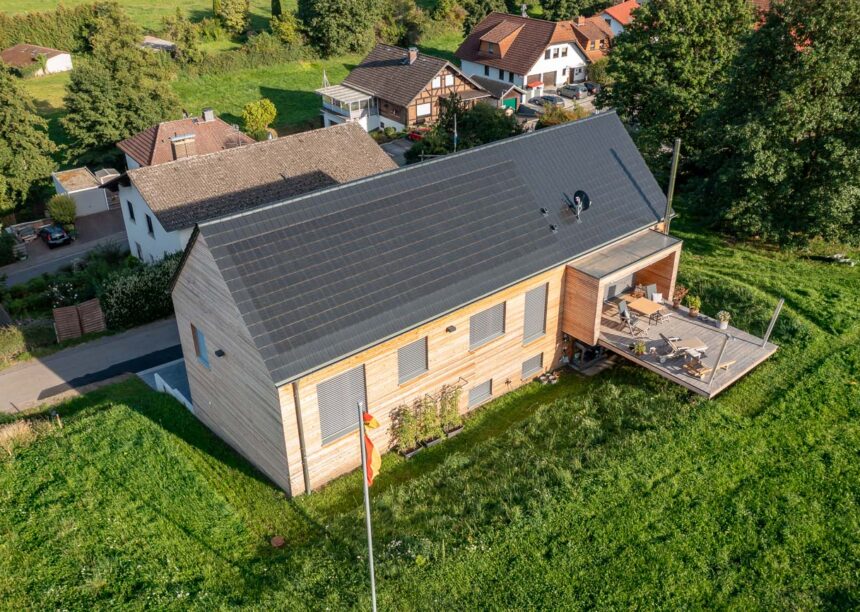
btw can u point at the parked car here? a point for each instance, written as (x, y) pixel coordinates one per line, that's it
(528, 111)
(417, 134)
(592, 87)
(548, 99)
(54, 236)
(576, 91)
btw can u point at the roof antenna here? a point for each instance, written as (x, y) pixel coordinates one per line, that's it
(676, 154)
(580, 202)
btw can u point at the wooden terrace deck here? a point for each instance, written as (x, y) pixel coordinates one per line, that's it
(744, 351)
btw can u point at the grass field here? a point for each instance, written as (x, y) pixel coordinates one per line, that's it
(620, 491)
(149, 13)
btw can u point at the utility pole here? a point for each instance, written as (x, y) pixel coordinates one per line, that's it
(676, 154)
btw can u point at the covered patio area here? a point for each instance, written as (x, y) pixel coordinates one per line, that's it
(692, 352)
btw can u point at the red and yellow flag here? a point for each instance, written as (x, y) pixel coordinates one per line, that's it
(374, 460)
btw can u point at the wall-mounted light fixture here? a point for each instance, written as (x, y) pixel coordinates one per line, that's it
(450, 329)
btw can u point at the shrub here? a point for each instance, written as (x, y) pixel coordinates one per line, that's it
(257, 116)
(449, 408)
(260, 50)
(287, 29)
(694, 302)
(65, 28)
(139, 295)
(555, 115)
(62, 209)
(429, 427)
(404, 428)
(111, 253)
(235, 15)
(7, 243)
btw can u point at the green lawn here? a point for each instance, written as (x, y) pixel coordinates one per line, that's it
(620, 491)
(149, 13)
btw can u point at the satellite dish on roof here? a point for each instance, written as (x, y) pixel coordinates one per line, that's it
(578, 204)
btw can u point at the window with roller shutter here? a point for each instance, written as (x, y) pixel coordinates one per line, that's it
(480, 393)
(486, 325)
(338, 400)
(534, 323)
(411, 360)
(532, 365)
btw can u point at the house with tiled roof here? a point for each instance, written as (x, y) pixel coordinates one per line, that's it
(528, 53)
(161, 203)
(172, 140)
(619, 16)
(593, 35)
(397, 88)
(24, 56)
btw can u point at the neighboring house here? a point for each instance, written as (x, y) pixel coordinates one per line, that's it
(162, 203)
(529, 53)
(158, 44)
(504, 95)
(620, 16)
(171, 140)
(86, 189)
(397, 88)
(24, 56)
(463, 270)
(593, 35)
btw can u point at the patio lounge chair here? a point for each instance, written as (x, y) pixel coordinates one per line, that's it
(700, 370)
(628, 320)
(679, 348)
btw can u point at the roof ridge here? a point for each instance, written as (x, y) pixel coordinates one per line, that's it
(407, 168)
(526, 18)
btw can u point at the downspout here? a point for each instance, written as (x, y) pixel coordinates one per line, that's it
(676, 154)
(301, 428)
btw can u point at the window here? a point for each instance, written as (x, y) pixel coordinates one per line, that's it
(564, 51)
(555, 52)
(533, 365)
(436, 83)
(486, 71)
(592, 45)
(411, 360)
(423, 110)
(501, 74)
(511, 77)
(546, 54)
(130, 207)
(486, 326)
(200, 346)
(338, 400)
(449, 80)
(139, 250)
(564, 72)
(149, 227)
(480, 393)
(534, 318)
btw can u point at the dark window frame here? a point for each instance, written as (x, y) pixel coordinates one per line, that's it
(130, 207)
(150, 228)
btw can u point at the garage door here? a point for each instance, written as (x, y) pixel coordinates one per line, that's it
(549, 79)
(510, 103)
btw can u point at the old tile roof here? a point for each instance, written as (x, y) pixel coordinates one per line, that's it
(622, 12)
(194, 189)
(501, 31)
(328, 274)
(526, 49)
(22, 55)
(497, 89)
(592, 29)
(153, 146)
(386, 73)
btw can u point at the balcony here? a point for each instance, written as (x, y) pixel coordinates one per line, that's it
(347, 102)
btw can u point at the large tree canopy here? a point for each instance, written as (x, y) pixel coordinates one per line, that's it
(118, 91)
(784, 162)
(339, 26)
(25, 149)
(669, 64)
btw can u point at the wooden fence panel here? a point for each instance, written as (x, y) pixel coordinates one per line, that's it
(67, 323)
(91, 316)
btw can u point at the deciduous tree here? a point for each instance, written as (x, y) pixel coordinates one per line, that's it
(339, 26)
(235, 15)
(121, 89)
(784, 159)
(25, 149)
(186, 36)
(257, 116)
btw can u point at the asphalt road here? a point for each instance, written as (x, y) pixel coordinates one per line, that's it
(25, 385)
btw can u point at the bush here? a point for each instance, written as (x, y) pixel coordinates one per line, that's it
(235, 15)
(287, 29)
(429, 427)
(139, 295)
(260, 50)
(449, 408)
(66, 28)
(404, 428)
(257, 116)
(62, 209)
(555, 115)
(7, 243)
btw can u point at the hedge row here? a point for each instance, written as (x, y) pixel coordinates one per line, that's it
(139, 295)
(65, 28)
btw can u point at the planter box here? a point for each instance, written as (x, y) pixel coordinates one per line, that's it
(454, 432)
(432, 442)
(408, 454)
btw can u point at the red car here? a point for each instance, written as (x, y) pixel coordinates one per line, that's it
(416, 135)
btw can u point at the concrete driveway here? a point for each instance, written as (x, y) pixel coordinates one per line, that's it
(30, 383)
(396, 150)
(93, 230)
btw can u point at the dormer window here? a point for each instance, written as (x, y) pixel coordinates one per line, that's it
(555, 52)
(491, 48)
(546, 54)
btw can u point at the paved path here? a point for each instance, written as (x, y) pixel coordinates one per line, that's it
(26, 385)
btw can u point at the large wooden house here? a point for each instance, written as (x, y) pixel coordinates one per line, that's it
(474, 270)
(397, 88)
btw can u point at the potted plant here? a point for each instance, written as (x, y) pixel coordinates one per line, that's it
(405, 431)
(449, 411)
(724, 316)
(639, 348)
(553, 378)
(694, 303)
(429, 427)
(680, 292)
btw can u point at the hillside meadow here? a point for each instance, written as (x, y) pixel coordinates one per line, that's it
(614, 492)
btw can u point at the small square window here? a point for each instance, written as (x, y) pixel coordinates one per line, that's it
(449, 80)
(149, 227)
(436, 83)
(200, 346)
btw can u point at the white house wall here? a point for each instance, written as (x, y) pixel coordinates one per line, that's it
(574, 61)
(616, 26)
(130, 162)
(90, 201)
(58, 63)
(161, 242)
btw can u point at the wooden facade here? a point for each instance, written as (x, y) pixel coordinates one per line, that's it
(234, 395)
(431, 95)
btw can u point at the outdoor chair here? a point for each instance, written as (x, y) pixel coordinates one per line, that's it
(650, 290)
(629, 320)
(681, 348)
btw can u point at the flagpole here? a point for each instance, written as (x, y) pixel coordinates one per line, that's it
(361, 435)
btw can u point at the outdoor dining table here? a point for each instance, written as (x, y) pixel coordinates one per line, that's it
(644, 306)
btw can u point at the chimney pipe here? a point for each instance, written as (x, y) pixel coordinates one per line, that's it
(208, 115)
(413, 54)
(524, 10)
(580, 21)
